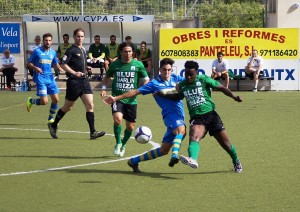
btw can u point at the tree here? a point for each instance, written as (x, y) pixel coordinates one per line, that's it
(234, 15)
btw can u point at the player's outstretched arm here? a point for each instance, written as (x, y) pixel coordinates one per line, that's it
(173, 96)
(228, 92)
(128, 94)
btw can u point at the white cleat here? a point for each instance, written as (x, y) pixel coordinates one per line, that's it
(188, 161)
(122, 151)
(117, 149)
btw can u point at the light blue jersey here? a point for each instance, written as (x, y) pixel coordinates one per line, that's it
(172, 111)
(44, 60)
(45, 81)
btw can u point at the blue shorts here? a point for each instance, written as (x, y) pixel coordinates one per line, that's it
(172, 122)
(46, 85)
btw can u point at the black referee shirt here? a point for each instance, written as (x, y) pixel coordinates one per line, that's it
(76, 59)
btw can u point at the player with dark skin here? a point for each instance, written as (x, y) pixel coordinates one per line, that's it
(203, 117)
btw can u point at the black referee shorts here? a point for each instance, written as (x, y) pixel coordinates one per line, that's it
(77, 87)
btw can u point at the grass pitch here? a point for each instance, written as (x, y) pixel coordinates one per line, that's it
(74, 173)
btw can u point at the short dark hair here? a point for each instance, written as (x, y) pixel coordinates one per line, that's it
(112, 36)
(78, 30)
(97, 36)
(127, 37)
(220, 53)
(47, 35)
(166, 61)
(144, 42)
(190, 64)
(66, 35)
(123, 45)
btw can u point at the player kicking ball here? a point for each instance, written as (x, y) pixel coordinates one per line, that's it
(203, 117)
(172, 113)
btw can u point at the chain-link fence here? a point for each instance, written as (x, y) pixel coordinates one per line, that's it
(161, 9)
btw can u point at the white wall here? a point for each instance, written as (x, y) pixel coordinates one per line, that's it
(286, 16)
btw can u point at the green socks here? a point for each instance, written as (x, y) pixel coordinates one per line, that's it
(117, 132)
(126, 137)
(194, 149)
(233, 154)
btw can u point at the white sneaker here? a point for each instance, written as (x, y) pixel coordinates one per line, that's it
(122, 151)
(188, 161)
(117, 149)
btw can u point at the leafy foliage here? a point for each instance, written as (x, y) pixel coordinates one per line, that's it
(213, 13)
(221, 15)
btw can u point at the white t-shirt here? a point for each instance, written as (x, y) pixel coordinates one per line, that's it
(34, 46)
(7, 61)
(220, 67)
(257, 62)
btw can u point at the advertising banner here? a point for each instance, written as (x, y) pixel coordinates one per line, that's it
(10, 37)
(278, 47)
(88, 18)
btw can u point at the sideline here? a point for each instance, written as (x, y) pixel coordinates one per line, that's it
(154, 145)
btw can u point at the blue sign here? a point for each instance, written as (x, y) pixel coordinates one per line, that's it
(136, 18)
(10, 37)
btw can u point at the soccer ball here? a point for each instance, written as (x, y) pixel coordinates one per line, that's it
(143, 135)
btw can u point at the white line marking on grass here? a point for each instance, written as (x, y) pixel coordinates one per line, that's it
(11, 107)
(62, 168)
(154, 145)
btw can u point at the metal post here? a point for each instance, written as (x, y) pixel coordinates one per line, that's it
(192, 7)
(81, 7)
(172, 9)
(184, 9)
(25, 43)
(266, 14)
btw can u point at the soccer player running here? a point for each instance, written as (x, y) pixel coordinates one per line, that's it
(126, 73)
(204, 118)
(172, 113)
(40, 61)
(74, 63)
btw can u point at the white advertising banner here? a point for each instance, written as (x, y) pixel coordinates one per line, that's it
(88, 18)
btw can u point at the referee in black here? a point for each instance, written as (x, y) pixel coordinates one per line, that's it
(74, 63)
